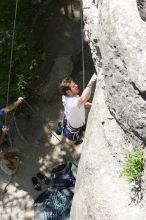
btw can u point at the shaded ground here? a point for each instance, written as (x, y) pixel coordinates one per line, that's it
(41, 152)
(38, 148)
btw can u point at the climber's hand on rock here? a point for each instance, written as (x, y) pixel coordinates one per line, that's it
(92, 80)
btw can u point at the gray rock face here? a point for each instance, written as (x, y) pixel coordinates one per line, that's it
(123, 55)
(116, 122)
(141, 5)
(124, 67)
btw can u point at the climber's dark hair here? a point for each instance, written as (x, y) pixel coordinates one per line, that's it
(65, 85)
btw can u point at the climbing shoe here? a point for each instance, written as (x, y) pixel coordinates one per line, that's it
(43, 178)
(79, 142)
(59, 129)
(36, 184)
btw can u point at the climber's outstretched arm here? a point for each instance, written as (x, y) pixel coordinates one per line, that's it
(12, 106)
(87, 91)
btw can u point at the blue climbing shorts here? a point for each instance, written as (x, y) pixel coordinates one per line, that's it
(75, 135)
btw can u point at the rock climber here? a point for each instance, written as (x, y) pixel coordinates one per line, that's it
(74, 108)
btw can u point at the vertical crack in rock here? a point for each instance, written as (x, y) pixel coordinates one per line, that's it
(142, 94)
(128, 134)
(141, 5)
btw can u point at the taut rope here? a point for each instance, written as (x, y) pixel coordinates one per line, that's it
(82, 43)
(11, 57)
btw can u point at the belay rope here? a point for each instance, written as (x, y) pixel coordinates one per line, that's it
(8, 91)
(11, 56)
(32, 109)
(10, 67)
(82, 43)
(10, 70)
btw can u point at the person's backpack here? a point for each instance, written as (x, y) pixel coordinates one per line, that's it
(62, 176)
(55, 203)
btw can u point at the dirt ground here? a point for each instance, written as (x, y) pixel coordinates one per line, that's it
(40, 149)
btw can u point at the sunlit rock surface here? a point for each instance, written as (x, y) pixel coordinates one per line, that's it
(116, 124)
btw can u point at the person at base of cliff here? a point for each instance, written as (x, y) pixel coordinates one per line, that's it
(74, 106)
(3, 111)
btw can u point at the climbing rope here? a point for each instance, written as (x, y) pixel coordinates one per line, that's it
(73, 160)
(82, 43)
(34, 111)
(11, 57)
(10, 67)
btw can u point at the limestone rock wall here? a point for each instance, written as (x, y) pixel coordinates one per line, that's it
(117, 38)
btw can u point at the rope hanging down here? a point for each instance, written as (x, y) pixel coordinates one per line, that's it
(82, 43)
(32, 109)
(11, 56)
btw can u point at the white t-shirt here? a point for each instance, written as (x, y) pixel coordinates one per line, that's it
(75, 115)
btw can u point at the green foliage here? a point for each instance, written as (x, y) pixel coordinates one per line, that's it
(25, 62)
(133, 165)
